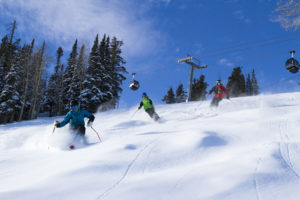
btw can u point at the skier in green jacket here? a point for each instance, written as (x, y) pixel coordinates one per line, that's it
(148, 106)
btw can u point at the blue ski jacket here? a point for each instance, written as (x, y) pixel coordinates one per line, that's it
(76, 119)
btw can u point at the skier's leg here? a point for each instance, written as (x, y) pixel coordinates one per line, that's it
(81, 130)
(79, 134)
(150, 112)
(155, 116)
(218, 101)
(213, 102)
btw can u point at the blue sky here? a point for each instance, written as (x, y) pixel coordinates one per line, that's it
(222, 34)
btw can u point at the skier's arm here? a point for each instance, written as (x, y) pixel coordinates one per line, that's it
(65, 121)
(212, 89)
(150, 101)
(141, 105)
(90, 116)
(225, 91)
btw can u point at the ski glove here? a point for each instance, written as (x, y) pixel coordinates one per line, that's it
(56, 124)
(90, 123)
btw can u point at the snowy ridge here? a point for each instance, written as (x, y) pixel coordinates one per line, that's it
(248, 148)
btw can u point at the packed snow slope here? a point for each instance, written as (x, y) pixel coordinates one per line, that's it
(248, 148)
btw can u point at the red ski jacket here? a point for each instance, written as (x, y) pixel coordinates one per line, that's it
(219, 91)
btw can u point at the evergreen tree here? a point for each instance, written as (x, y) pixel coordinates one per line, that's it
(254, 84)
(107, 74)
(170, 97)
(236, 83)
(118, 69)
(8, 51)
(199, 89)
(68, 75)
(180, 94)
(53, 91)
(3, 60)
(91, 94)
(242, 85)
(10, 97)
(78, 76)
(249, 87)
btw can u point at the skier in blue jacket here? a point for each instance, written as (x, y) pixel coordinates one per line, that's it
(75, 118)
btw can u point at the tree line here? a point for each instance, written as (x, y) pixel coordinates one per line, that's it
(26, 89)
(237, 86)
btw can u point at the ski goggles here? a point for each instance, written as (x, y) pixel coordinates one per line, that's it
(75, 108)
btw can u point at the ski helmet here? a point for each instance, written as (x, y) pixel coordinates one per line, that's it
(144, 94)
(74, 103)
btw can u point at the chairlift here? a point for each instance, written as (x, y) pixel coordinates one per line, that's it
(292, 64)
(134, 85)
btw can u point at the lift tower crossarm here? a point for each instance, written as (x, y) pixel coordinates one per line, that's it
(193, 67)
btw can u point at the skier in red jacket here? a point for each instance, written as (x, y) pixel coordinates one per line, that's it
(219, 91)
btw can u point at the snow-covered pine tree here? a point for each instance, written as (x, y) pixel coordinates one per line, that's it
(54, 87)
(67, 77)
(10, 97)
(170, 97)
(254, 84)
(118, 69)
(8, 51)
(3, 61)
(249, 87)
(78, 76)
(107, 74)
(91, 94)
(180, 94)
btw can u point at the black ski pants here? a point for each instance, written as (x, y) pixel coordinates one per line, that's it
(151, 112)
(215, 102)
(80, 130)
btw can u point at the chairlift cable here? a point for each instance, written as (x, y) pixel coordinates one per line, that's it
(249, 45)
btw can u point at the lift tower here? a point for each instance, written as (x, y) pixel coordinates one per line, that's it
(188, 60)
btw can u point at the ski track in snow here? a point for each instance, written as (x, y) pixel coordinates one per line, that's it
(111, 188)
(285, 149)
(286, 157)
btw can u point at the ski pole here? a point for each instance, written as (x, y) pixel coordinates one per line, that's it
(96, 133)
(53, 130)
(134, 113)
(52, 134)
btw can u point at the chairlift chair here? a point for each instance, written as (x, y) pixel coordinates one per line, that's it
(292, 64)
(134, 85)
